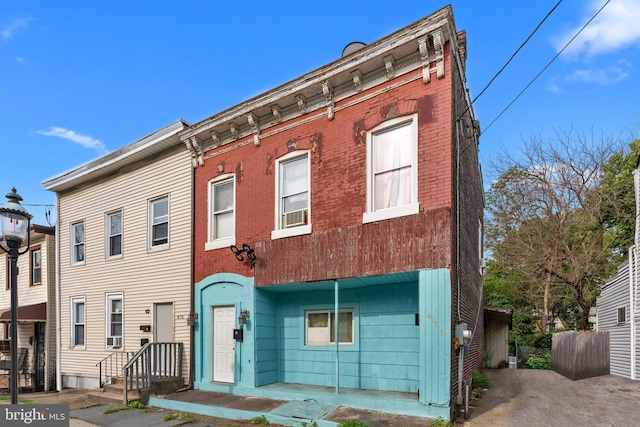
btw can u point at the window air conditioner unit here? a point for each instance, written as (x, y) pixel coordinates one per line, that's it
(294, 218)
(115, 342)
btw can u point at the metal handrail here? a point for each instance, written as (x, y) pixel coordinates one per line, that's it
(112, 365)
(154, 361)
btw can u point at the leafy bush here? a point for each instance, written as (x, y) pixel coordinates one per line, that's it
(135, 405)
(544, 362)
(262, 420)
(354, 423)
(480, 380)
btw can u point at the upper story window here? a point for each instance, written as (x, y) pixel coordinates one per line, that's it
(159, 222)
(221, 213)
(36, 266)
(114, 234)
(392, 170)
(622, 314)
(77, 243)
(293, 195)
(77, 321)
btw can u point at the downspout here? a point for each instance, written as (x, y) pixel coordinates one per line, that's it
(337, 337)
(58, 325)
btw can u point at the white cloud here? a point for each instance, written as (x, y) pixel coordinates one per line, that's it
(78, 138)
(553, 86)
(602, 76)
(16, 23)
(615, 28)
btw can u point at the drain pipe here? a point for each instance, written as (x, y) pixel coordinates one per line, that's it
(58, 326)
(336, 328)
(633, 273)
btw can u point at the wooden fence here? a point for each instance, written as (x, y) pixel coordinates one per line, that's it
(580, 354)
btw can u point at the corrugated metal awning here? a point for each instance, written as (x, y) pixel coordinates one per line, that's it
(27, 313)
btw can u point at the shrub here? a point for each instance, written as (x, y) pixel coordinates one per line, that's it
(440, 422)
(544, 362)
(480, 380)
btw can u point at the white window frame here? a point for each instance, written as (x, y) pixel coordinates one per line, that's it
(36, 266)
(152, 224)
(279, 232)
(371, 214)
(75, 245)
(112, 297)
(212, 241)
(74, 301)
(109, 235)
(622, 314)
(331, 337)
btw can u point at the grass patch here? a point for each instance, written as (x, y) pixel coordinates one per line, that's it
(440, 422)
(261, 420)
(5, 398)
(187, 418)
(354, 423)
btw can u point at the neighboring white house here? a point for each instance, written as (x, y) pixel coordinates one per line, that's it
(618, 307)
(36, 312)
(124, 255)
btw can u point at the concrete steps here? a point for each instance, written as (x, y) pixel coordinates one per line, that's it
(112, 394)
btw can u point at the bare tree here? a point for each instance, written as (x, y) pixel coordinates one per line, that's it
(545, 216)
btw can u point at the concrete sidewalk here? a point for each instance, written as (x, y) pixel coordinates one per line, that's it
(217, 410)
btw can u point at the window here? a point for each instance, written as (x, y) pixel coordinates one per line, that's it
(114, 320)
(77, 321)
(392, 176)
(36, 266)
(159, 221)
(221, 213)
(77, 242)
(320, 327)
(622, 314)
(292, 196)
(114, 234)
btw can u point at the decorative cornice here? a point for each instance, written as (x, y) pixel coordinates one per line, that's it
(357, 80)
(388, 66)
(235, 131)
(424, 59)
(438, 45)
(302, 103)
(255, 127)
(327, 90)
(195, 147)
(277, 113)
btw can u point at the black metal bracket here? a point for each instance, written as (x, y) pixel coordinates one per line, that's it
(246, 249)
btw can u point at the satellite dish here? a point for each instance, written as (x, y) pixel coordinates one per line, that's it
(352, 47)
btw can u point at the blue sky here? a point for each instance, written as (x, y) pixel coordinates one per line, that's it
(81, 78)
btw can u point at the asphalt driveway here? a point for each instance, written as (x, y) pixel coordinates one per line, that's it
(528, 398)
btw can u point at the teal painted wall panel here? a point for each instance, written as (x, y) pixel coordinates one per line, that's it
(266, 338)
(386, 336)
(435, 330)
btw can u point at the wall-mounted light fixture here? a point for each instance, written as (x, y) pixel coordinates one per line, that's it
(191, 319)
(242, 318)
(246, 249)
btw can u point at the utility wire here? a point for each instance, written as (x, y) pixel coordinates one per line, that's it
(512, 56)
(547, 66)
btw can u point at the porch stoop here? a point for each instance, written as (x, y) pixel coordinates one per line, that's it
(112, 393)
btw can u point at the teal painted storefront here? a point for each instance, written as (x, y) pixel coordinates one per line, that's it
(401, 335)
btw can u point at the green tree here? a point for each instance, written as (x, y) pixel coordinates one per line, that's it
(548, 213)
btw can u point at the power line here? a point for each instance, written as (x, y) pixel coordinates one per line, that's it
(547, 66)
(512, 56)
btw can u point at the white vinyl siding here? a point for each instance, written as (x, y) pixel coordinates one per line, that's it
(222, 216)
(615, 294)
(293, 196)
(147, 276)
(392, 170)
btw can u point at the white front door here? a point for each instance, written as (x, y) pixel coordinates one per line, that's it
(162, 333)
(224, 320)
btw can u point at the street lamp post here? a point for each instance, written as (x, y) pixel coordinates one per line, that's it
(15, 222)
